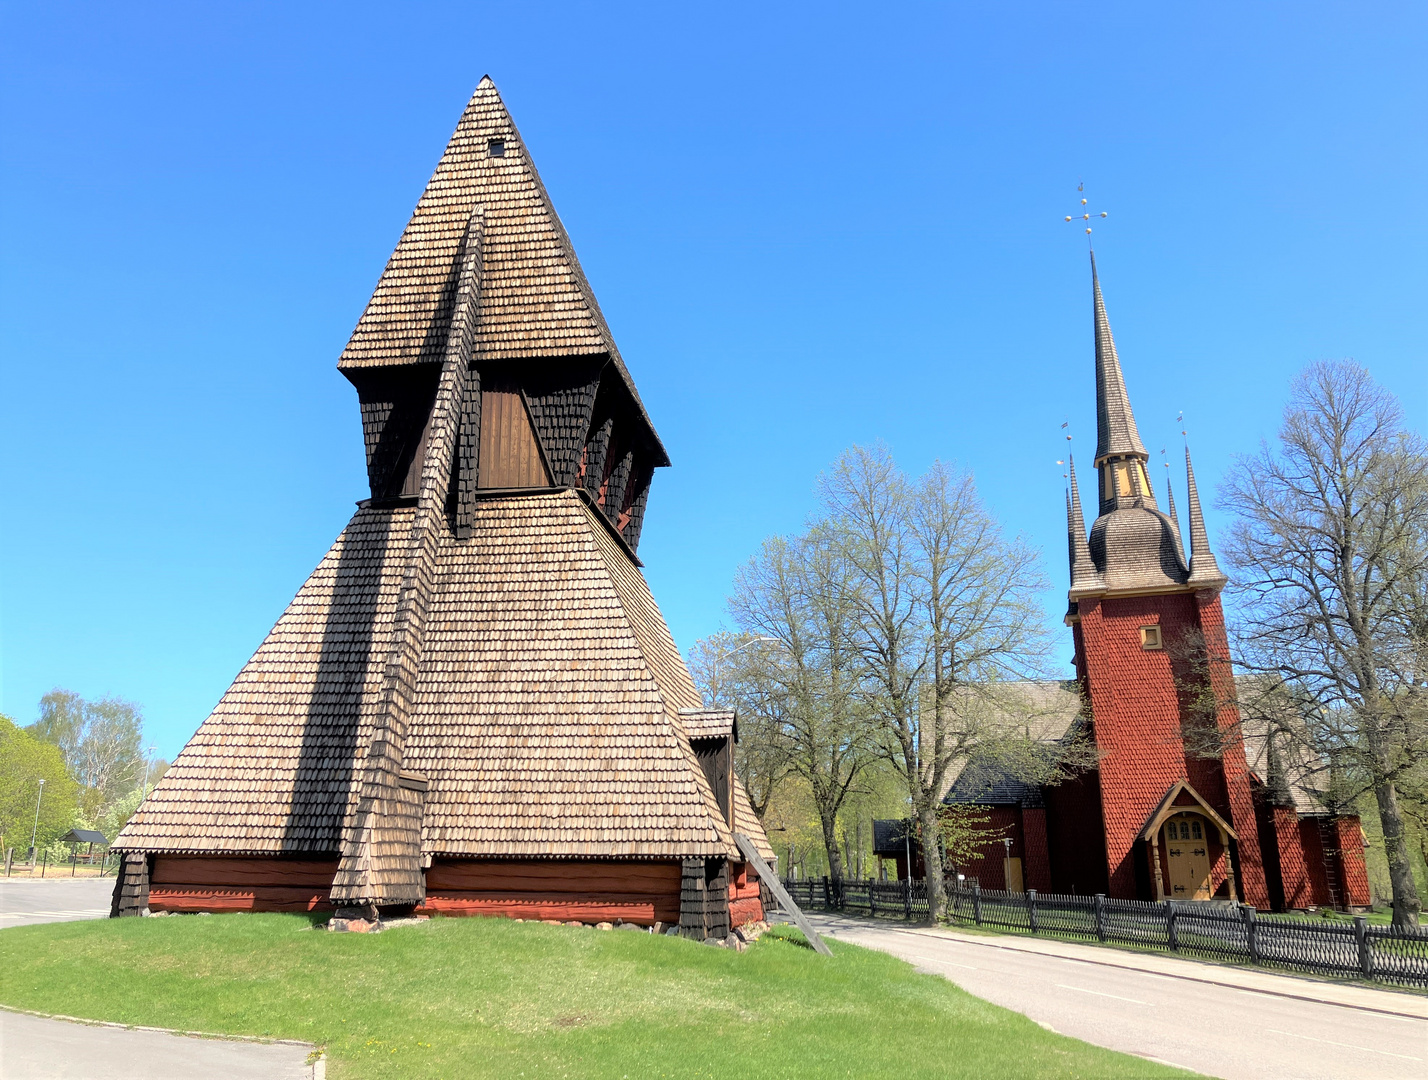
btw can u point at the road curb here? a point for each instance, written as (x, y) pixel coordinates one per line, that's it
(1107, 962)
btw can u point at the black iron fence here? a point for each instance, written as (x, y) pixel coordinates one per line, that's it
(1219, 931)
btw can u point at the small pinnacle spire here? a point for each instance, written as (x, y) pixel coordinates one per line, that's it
(1115, 424)
(1170, 501)
(1203, 568)
(1084, 578)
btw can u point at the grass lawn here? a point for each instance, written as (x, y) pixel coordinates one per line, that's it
(491, 997)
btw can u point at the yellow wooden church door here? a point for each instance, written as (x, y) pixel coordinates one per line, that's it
(1188, 857)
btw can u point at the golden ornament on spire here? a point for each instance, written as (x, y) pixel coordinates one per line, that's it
(1085, 215)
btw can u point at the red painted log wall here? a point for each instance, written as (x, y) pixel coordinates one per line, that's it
(640, 893)
(240, 883)
(745, 906)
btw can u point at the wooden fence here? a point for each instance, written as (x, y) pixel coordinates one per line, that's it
(1219, 931)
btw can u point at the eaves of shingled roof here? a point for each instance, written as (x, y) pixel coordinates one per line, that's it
(535, 300)
(546, 718)
(707, 723)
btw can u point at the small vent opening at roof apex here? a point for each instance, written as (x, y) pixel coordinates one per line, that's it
(497, 147)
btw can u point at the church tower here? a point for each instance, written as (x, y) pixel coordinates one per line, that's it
(473, 705)
(1177, 818)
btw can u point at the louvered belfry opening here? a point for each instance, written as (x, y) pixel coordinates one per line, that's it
(474, 704)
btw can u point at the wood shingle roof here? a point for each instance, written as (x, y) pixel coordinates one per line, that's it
(535, 299)
(546, 721)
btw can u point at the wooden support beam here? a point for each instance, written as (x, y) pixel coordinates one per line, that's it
(751, 853)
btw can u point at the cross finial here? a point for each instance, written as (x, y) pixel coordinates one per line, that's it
(1085, 215)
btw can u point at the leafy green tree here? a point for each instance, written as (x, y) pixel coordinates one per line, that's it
(101, 741)
(729, 673)
(24, 762)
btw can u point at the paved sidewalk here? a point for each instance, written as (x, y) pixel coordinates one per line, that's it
(1349, 995)
(40, 1048)
(1218, 1021)
(61, 899)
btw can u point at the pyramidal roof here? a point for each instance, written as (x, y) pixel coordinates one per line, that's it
(535, 300)
(1115, 423)
(546, 718)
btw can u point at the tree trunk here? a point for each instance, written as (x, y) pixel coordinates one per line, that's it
(830, 842)
(1406, 905)
(932, 862)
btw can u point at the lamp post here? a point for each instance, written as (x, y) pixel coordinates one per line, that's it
(722, 656)
(34, 832)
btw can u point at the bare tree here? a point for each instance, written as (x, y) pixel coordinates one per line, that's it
(729, 673)
(797, 593)
(948, 612)
(1330, 546)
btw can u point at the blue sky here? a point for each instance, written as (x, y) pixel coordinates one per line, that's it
(808, 228)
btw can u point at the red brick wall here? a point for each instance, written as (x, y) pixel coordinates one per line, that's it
(1236, 778)
(1036, 868)
(1353, 871)
(1137, 709)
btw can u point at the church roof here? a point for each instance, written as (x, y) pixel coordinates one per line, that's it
(1133, 548)
(1278, 747)
(535, 300)
(546, 720)
(1115, 423)
(1042, 711)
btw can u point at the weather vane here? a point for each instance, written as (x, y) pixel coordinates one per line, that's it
(1086, 215)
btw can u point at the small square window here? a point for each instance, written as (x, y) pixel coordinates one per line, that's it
(497, 147)
(1150, 637)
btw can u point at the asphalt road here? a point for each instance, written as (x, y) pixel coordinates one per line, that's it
(57, 899)
(1220, 1031)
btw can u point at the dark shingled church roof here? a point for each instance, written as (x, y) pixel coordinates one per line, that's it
(1115, 423)
(1132, 546)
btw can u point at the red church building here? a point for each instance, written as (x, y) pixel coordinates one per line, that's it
(1191, 798)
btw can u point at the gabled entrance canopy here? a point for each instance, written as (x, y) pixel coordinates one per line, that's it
(1167, 806)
